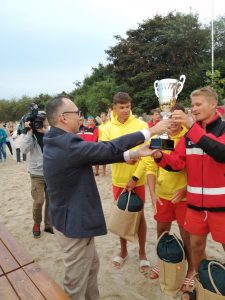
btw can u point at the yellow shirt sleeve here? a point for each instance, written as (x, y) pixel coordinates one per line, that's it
(151, 166)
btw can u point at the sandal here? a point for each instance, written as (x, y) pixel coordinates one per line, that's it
(188, 284)
(118, 261)
(154, 272)
(144, 265)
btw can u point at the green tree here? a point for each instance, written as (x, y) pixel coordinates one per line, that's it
(162, 47)
(217, 83)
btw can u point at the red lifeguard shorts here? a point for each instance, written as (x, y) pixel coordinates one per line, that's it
(169, 212)
(204, 222)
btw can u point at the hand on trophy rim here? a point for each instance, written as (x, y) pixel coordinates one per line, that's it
(160, 127)
(179, 116)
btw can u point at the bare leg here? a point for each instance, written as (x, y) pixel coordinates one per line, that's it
(142, 231)
(187, 247)
(163, 226)
(123, 252)
(96, 170)
(104, 169)
(198, 245)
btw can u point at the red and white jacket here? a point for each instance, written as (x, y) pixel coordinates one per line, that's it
(202, 152)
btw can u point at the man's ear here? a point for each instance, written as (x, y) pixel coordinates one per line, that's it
(213, 104)
(62, 118)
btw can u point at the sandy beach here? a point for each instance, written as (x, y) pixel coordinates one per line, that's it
(125, 284)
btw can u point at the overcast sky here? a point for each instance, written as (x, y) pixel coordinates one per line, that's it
(46, 45)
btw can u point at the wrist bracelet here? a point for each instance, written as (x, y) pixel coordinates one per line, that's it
(134, 154)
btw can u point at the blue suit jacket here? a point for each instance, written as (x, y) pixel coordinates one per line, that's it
(75, 208)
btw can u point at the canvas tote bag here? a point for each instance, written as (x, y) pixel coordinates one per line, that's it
(124, 223)
(172, 263)
(208, 277)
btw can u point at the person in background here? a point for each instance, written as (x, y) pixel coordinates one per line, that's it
(127, 176)
(90, 134)
(3, 136)
(101, 127)
(74, 202)
(155, 118)
(9, 130)
(33, 144)
(18, 137)
(81, 127)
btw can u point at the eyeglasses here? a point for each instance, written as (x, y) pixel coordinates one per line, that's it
(78, 112)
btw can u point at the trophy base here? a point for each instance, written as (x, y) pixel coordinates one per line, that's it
(165, 144)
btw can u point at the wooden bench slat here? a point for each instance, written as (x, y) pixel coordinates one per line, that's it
(7, 261)
(24, 286)
(17, 250)
(6, 290)
(50, 289)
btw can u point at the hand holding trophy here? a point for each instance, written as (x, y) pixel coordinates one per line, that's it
(167, 91)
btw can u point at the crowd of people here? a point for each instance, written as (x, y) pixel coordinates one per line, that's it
(186, 185)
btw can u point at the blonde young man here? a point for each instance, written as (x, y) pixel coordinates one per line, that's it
(125, 175)
(202, 152)
(168, 195)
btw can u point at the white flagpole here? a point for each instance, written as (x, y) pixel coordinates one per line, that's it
(212, 31)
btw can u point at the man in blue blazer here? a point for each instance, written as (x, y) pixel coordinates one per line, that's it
(75, 208)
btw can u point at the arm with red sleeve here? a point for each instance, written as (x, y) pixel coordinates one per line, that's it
(208, 142)
(175, 160)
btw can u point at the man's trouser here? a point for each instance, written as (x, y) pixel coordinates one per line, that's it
(81, 267)
(39, 195)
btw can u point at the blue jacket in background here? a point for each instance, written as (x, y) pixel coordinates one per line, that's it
(3, 135)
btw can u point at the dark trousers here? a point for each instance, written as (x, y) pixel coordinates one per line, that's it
(18, 155)
(10, 147)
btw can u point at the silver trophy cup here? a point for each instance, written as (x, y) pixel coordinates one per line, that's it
(167, 91)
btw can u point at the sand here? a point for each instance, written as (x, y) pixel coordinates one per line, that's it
(125, 284)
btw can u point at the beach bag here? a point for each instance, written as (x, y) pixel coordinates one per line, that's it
(211, 280)
(172, 263)
(123, 222)
(135, 203)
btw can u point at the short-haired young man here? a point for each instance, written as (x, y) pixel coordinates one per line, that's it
(202, 151)
(127, 176)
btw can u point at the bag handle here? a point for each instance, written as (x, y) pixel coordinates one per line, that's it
(128, 201)
(176, 238)
(180, 244)
(210, 274)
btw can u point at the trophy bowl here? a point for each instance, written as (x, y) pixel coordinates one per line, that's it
(167, 91)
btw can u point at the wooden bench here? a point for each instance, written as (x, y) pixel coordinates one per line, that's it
(21, 277)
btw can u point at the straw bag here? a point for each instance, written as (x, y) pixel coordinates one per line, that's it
(211, 283)
(123, 222)
(171, 262)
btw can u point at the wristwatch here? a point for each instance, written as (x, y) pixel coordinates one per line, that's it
(135, 178)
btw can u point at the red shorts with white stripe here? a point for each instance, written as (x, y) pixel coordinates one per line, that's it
(204, 222)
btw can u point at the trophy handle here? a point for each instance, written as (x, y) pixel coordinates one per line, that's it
(156, 88)
(180, 84)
